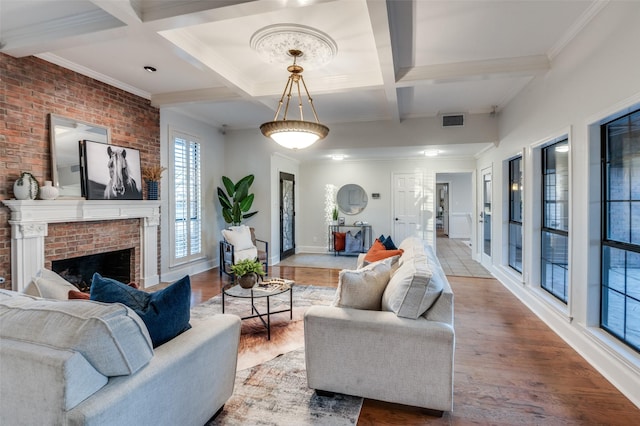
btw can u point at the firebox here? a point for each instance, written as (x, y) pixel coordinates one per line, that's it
(79, 270)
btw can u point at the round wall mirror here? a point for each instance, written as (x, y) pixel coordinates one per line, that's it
(351, 199)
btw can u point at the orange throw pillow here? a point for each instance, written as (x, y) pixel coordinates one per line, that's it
(338, 241)
(379, 252)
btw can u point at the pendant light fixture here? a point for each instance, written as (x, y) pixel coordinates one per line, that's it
(294, 134)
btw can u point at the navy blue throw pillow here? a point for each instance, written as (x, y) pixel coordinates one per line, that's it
(166, 312)
(381, 238)
(388, 243)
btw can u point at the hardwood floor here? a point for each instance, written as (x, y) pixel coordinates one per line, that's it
(510, 368)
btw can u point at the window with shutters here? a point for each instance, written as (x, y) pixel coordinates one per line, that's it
(187, 210)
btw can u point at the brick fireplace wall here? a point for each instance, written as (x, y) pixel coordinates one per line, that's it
(31, 89)
(66, 240)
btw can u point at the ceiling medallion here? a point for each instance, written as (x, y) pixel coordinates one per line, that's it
(274, 42)
(294, 134)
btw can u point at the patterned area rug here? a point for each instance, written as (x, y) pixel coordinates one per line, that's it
(286, 334)
(276, 393)
(314, 260)
(271, 383)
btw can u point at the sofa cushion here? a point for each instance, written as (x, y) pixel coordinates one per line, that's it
(49, 285)
(363, 288)
(166, 312)
(411, 291)
(110, 336)
(239, 237)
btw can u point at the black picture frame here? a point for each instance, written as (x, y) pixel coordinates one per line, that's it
(110, 172)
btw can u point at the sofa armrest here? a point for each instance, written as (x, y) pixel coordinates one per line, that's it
(38, 383)
(358, 352)
(186, 382)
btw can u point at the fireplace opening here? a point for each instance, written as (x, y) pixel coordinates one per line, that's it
(79, 270)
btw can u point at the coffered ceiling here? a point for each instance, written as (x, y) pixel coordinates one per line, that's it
(395, 60)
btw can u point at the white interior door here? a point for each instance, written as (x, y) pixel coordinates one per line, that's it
(407, 205)
(485, 217)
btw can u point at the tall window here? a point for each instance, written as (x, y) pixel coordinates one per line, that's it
(187, 197)
(554, 253)
(620, 302)
(515, 214)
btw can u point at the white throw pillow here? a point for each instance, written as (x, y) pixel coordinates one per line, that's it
(363, 288)
(411, 291)
(239, 237)
(49, 285)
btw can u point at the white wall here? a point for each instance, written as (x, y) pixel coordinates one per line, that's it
(212, 151)
(594, 76)
(461, 211)
(372, 176)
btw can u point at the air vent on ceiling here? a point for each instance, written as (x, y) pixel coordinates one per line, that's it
(452, 120)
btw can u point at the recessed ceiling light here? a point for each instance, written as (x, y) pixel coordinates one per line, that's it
(431, 153)
(150, 69)
(338, 157)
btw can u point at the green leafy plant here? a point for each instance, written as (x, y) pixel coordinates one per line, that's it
(335, 213)
(237, 200)
(247, 266)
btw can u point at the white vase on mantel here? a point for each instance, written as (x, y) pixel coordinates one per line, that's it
(48, 191)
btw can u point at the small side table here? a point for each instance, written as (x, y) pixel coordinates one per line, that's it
(265, 289)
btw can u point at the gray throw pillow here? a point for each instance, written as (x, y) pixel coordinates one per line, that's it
(353, 243)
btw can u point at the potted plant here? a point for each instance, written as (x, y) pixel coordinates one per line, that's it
(334, 215)
(237, 200)
(152, 176)
(247, 271)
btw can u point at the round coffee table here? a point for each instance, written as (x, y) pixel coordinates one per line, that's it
(264, 289)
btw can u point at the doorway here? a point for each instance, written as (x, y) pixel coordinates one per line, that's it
(485, 217)
(287, 215)
(442, 209)
(407, 203)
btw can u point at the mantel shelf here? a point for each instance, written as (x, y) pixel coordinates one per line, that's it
(56, 211)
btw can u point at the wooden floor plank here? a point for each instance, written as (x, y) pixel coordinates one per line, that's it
(510, 367)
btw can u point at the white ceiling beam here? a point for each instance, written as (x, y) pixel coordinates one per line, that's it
(212, 94)
(58, 33)
(122, 10)
(473, 70)
(381, 34)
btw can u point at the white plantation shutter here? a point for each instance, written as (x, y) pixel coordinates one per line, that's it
(187, 230)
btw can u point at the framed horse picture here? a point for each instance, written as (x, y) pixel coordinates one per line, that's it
(110, 172)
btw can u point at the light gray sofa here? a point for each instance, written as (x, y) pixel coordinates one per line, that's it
(397, 354)
(91, 363)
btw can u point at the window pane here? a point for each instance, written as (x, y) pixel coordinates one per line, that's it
(515, 246)
(620, 305)
(619, 221)
(613, 312)
(554, 261)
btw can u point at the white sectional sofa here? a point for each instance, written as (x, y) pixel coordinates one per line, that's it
(89, 363)
(402, 353)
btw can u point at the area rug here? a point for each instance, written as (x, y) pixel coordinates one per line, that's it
(315, 260)
(286, 334)
(276, 393)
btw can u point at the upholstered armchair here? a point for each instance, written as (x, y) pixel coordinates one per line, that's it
(240, 243)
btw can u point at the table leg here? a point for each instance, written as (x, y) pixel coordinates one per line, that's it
(268, 319)
(223, 301)
(290, 303)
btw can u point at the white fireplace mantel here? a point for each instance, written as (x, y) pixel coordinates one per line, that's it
(30, 218)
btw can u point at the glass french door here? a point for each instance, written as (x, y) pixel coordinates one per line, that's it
(287, 215)
(485, 217)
